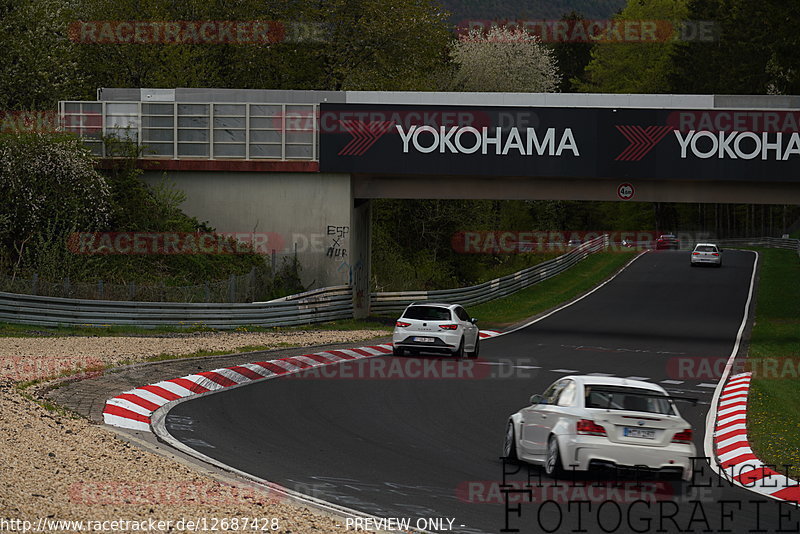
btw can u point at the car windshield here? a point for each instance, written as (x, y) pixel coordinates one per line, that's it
(706, 248)
(427, 313)
(629, 399)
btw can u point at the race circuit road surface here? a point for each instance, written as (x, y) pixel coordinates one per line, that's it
(421, 438)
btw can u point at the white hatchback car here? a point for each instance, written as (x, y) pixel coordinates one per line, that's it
(706, 254)
(583, 422)
(434, 327)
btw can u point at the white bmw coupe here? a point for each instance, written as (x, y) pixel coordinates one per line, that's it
(582, 422)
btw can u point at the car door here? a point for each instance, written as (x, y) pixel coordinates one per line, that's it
(538, 420)
(470, 329)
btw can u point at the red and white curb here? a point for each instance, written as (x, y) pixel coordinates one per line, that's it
(133, 409)
(736, 459)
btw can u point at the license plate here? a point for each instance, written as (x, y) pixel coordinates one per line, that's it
(642, 433)
(424, 339)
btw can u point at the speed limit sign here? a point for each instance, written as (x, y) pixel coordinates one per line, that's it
(625, 191)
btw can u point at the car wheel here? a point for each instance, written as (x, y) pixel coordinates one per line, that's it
(397, 351)
(477, 349)
(459, 353)
(552, 462)
(510, 443)
(719, 265)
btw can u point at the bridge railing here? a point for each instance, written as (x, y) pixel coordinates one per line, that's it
(198, 130)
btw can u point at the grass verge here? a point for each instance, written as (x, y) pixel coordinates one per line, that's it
(551, 292)
(773, 415)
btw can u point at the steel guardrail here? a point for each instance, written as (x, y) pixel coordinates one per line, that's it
(318, 305)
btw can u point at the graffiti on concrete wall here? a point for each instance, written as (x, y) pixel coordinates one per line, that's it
(338, 238)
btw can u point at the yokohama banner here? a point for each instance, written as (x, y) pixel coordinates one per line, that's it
(560, 142)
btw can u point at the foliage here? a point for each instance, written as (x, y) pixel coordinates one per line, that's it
(38, 63)
(503, 59)
(49, 185)
(755, 51)
(636, 67)
(572, 58)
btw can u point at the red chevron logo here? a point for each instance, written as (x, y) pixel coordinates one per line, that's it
(364, 136)
(642, 140)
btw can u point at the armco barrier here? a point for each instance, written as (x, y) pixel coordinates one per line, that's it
(319, 305)
(395, 302)
(326, 304)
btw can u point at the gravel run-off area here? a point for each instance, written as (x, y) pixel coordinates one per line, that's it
(58, 466)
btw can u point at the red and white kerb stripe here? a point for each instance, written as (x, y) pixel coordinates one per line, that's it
(733, 451)
(133, 409)
(488, 333)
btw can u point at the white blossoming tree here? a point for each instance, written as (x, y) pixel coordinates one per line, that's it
(50, 187)
(503, 60)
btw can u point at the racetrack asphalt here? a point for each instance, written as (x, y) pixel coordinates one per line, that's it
(401, 437)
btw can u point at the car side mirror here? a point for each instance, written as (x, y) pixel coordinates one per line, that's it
(536, 399)
(473, 320)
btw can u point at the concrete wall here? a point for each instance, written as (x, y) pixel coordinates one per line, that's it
(309, 211)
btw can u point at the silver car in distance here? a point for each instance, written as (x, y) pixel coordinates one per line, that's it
(435, 327)
(706, 254)
(582, 422)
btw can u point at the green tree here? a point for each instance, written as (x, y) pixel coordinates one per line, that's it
(753, 50)
(38, 66)
(640, 66)
(572, 57)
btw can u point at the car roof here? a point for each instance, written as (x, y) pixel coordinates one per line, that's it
(439, 304)
(591, 380)
(705, 245)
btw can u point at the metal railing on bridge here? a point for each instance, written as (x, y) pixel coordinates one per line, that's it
(198, 130)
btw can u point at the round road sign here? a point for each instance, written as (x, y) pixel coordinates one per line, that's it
(625, 191)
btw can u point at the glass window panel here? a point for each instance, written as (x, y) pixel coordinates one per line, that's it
(187, 149)
(266, 122)
(122, 109)
(93, 107)
(96, 148)
(229, 151)
(230, 109)
(157, 109)
(193, 122)
(265, 151)
(296, 137)
(123, 133)
(72, 107)
(303, 123)
(158, 122)
(116, 121)
(293, 109)
(230, 135)
(159, 149)
(156, 135)
(263, 110)
(192, 109)
(192, 135)
(229, 122)
(298, 151)
(265, 136)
